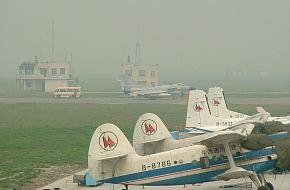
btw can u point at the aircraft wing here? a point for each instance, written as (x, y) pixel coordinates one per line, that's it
(151, 93)
(233, 173)
(246, 126)
(218, 137)
(257, 118)
(224, 136)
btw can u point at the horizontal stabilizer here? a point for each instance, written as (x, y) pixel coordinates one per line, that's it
(114, 156)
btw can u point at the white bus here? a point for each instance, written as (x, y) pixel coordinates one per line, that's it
(67, 92)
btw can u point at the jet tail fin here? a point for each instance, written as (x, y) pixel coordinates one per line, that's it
(128, 83)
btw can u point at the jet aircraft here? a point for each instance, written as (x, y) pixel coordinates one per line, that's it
(133, 88)
(158, 91)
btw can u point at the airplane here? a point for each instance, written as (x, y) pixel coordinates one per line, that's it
(199, 119)
(112, 159)
(218, 107)
(133, 88)
(152, 136)
(159, 91)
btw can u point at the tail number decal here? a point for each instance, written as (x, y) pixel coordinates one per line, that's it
(226, 123)
(156, 165)
(237, 116)
(149, 127)
(108, 141)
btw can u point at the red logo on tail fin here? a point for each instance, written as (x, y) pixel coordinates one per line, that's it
(149, 127)
(198, 107)
(108, 141)
(216, 101)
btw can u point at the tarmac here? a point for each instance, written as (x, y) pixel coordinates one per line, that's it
(280, 182)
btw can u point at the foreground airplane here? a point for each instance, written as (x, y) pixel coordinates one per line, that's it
(199, 119)
(112, 159)
(218, 107)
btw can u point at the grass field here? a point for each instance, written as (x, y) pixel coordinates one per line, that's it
(34, 136)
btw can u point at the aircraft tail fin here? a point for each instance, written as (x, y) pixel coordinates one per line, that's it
(108, 145)
(218, 105)
(128, 83)
(198, 112)
(149, 132)
(261, 110)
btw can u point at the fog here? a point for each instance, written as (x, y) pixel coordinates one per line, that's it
(234, 44)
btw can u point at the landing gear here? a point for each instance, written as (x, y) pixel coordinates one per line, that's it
(263, 188)
(236, 172)
(260, 182)
(269, 185)
(126, 187)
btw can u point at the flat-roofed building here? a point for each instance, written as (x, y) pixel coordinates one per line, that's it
(44, 76)
(142, 74)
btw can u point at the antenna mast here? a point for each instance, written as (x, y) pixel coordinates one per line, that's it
(138, 53)
(52, 28)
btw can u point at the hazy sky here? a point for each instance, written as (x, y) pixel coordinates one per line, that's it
(186, 38)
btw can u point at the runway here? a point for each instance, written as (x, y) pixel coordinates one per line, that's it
(280, 182)
(122, 99)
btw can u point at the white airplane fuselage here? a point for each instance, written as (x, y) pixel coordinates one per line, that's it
(194, 164)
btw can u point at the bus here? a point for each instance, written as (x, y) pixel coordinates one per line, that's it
(67, 92)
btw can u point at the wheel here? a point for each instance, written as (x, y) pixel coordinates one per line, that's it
(263, 187)
(268, 184)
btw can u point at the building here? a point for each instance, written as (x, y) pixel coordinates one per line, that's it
(137, 74)
(142, 74)
(44, 76)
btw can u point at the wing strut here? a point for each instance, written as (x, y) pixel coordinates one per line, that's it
(229, 155)
(237, 172)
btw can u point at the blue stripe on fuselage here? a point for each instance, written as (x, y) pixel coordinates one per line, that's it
(199, 177)
(208, 176)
